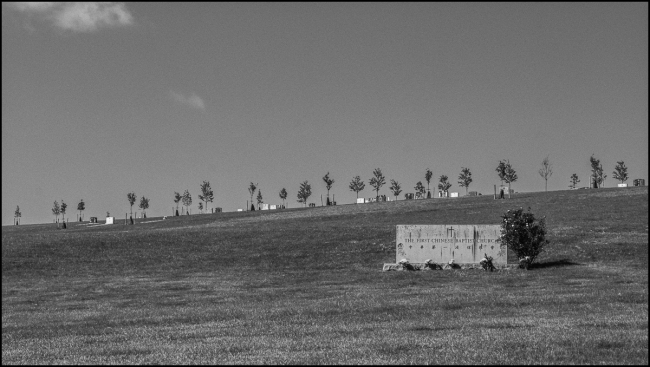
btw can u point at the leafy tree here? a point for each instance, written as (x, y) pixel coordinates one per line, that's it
(56, 210)
(63, 208)
(357, 185)
(378, 181)
(17, 213)
(177, 199)
(522, 234)
(427, 175)
(200, 207)
(251, 190)
(465, 178)
(283, 195)
(596, 171)
(419, 189)
(144, 205)
(187, 200)
(259, 198)
(328, 185)
(81, 207)
(574, 180)
(510, 176)
(206, 193)
(304, 192)
(444, 184)
(620, 172)
(546, 171)
(501, 170)
(131, 196)
(395, 187)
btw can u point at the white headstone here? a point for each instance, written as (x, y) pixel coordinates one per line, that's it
(109, 220)
(465, 244)
(240, 210)
(265, 206)
(622, 185)
(453, 194)
(273, 206)
(361, 200)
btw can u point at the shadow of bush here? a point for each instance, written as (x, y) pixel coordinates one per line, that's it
(551, 264)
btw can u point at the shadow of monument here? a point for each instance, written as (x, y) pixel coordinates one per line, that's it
(552, 264)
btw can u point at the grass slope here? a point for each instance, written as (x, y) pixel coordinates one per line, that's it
(305, 286)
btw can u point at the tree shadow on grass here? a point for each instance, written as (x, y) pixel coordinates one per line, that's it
(553, 264)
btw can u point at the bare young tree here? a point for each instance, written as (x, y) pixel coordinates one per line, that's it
(620, 171)
(206, 194)
(396, 188)
(510, 176)
(328, 185)
(546, 171)
(596, 171)
(465, 178)
(304, 192)
(574, 180)
(17, 215)
(419, 190)
(200, 207)
(131, 197)
(357, 185)
(427, 176)
(378, 181)
(259, 198)
(283, 195)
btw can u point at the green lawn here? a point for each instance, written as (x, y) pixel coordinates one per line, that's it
(305, 286)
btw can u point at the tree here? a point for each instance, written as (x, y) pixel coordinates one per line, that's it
(510, 176)
(465, 178)
(596, 171)
(501, 170)
(378, 181)
(427, 175)
(56, 210)
(131, 196)
(304, 192)
(574, 180)
(144, 205)
(395, 187)
(546, 171)
(522, 235)
(328, 185)
(620, 172)
(419, 189)
(251, 190)
(357, 185)
(444, 184)
(177, 199)
(81, 207)
(200, 207)
(17, 213)
(259, 198)
(206, 193)
(63, 208)
(283, 195)
(187, 200)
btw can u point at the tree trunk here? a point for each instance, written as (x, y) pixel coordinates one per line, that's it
(508, 190)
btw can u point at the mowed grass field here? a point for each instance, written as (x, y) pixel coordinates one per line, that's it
(305, 286)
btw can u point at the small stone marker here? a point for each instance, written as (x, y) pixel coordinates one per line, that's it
(240, 210)
(273, 206)
(361, 200)
(622, 185)
(109, 220)
(265, 206)
(466, 244)
(453, 194)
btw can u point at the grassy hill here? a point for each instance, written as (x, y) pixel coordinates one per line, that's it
(305, 285)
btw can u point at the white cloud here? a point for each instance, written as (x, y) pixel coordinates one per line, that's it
(79, 17)
(193, 100)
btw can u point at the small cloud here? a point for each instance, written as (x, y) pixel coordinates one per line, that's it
(193, 100)
(78, 17)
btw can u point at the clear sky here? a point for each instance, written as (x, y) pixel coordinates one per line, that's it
(99, 100)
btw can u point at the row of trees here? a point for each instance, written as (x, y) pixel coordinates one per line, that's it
(206, 196)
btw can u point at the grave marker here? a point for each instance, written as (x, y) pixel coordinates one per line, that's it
(466, 244)
(109, 220)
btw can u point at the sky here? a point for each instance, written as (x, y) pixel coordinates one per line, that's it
(103, 99)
